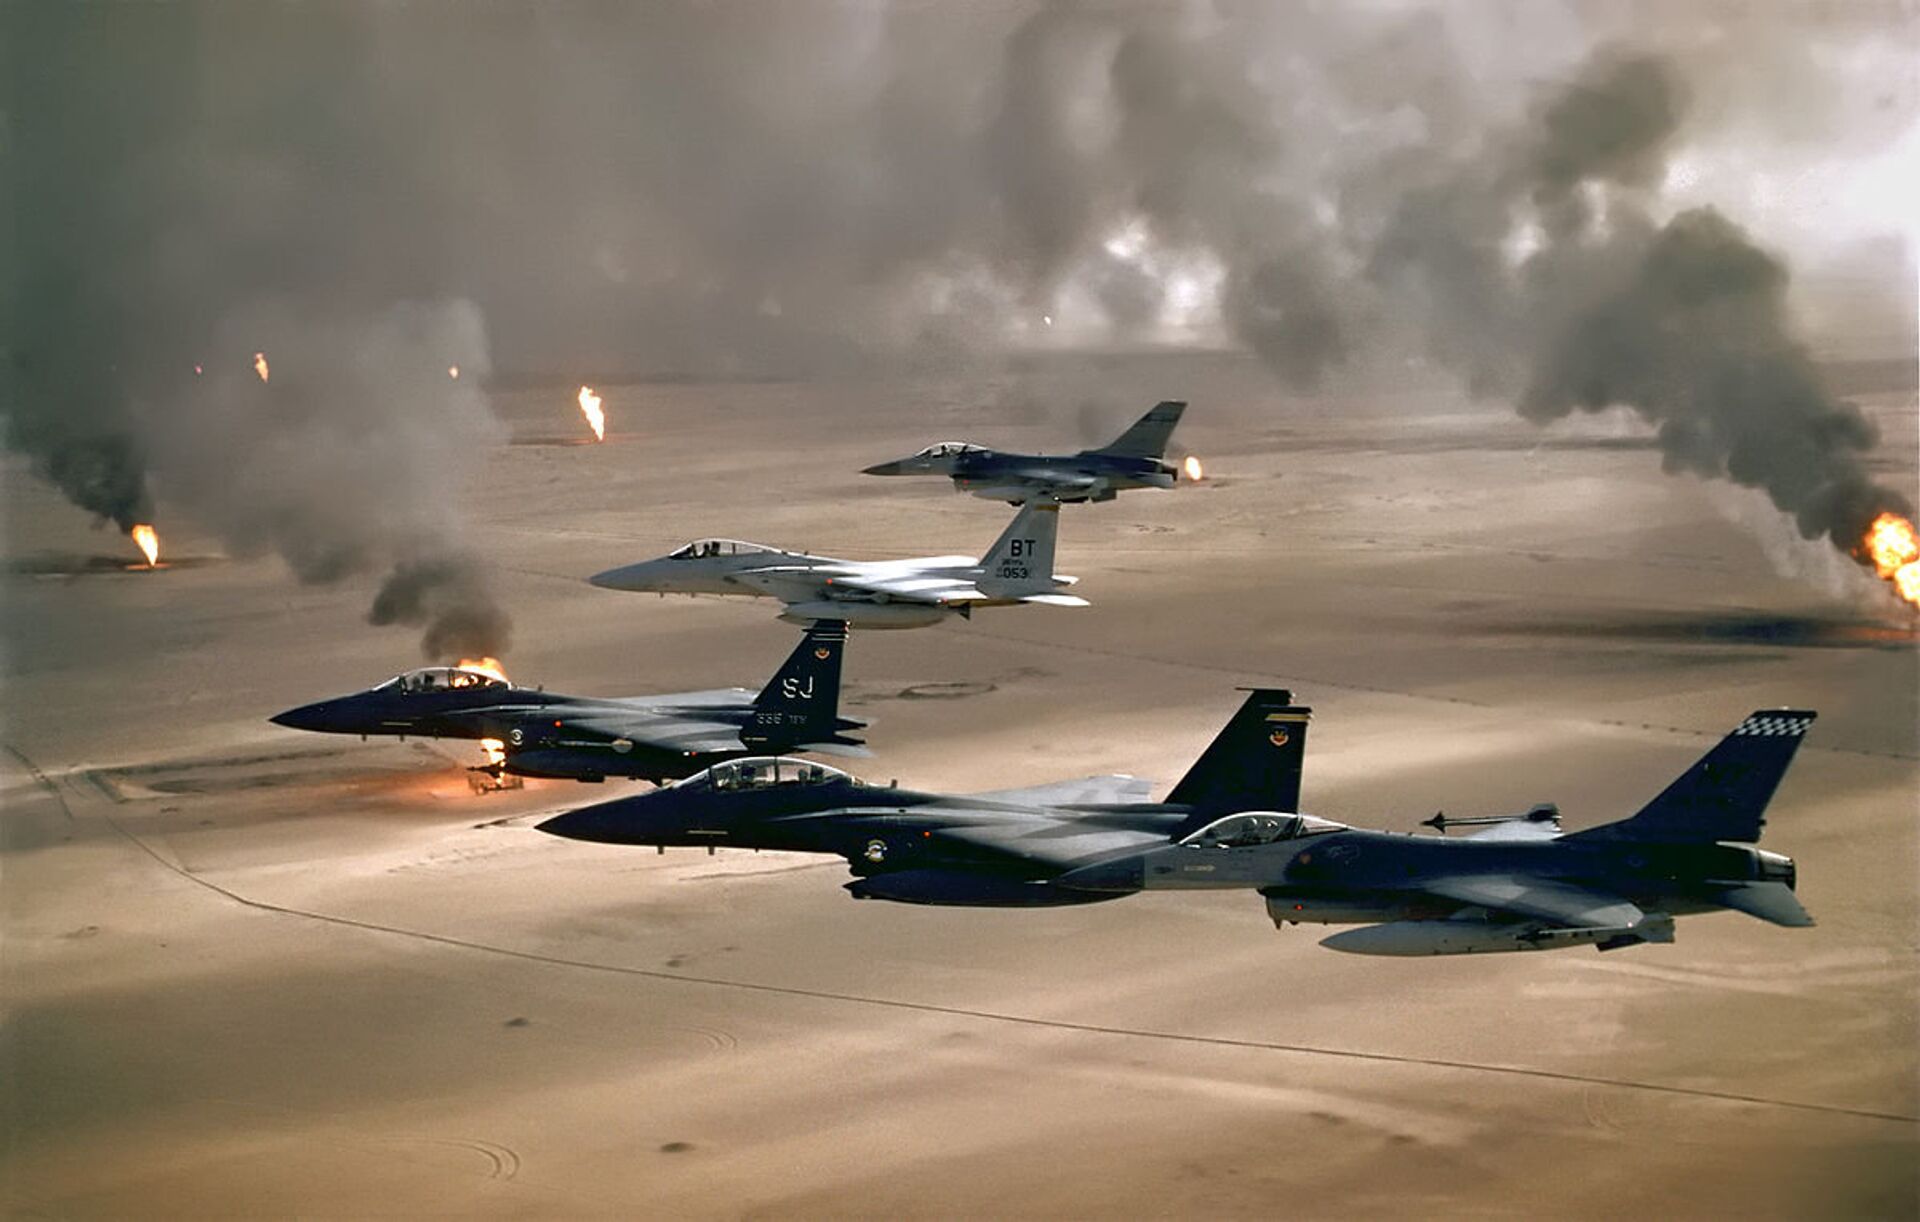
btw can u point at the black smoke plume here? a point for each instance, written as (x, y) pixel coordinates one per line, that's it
(816, 186)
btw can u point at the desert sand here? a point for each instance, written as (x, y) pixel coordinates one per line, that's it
(252, 972)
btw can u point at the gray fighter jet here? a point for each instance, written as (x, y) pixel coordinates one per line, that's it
(590, 738)
(1132, 460)
(1007, 848)
(910, 593)
(1520, 884)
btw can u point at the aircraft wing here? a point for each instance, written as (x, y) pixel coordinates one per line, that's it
(1087, 791)
(655, 730)
(1060, 842)
(1560, 903)
(1517, 829)
(1054, 476)
(909, 586)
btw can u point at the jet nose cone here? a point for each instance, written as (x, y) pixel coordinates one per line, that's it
(304, 717)
(564, 825)
(627, 577)
(896, 467)
(590, 823)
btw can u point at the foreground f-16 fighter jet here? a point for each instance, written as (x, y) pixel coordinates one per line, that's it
(1520, 884)
(1132, 460)
(1004, 849)
(911, 593)
(590, 738)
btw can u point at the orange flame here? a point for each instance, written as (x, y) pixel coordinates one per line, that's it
(590, 408)
(149, 541)
(1893, 549)
(486, 666)
(260, 365)
(453, 371)
(1193, 469)
(494, 750)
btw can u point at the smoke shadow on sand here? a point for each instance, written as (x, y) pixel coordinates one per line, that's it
(1729, 628)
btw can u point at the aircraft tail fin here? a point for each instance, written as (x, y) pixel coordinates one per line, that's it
(801, 703)
(1020, 562)
(1147, 437)
(1253, 764)
(1724, 795)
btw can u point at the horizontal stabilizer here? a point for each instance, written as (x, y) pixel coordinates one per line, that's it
(1057, 600)
(1769, 901)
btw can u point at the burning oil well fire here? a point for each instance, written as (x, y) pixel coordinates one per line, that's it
(148, 540)
(590, 408)
(1893, 549)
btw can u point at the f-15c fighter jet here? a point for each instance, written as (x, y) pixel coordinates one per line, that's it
(1006, 849)
(1520, 884)
(590, 738)
(911, 593)
(1132, 460)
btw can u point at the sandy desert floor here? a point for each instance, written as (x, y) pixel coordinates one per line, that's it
(251, 972)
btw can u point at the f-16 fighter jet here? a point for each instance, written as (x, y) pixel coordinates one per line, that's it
(1008, 848)
(911, 593)
(1132, 460)
(590, 738)
(1520, 884)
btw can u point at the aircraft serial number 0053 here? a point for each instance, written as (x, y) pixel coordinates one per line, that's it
(1017, 549)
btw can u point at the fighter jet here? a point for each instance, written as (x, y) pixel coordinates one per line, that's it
(1007, 848)
(1519, 884)
(590, 738)
(1132, 460)
(910, 593)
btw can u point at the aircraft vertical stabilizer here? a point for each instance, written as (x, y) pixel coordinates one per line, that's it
(1724, 796)
(1253, 764)
(801, 704)
(1020, 562)
(1147, 437)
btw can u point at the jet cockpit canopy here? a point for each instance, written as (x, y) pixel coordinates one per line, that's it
(1258, 827)
(764, 772)
(947, 448)
(442, 679)
(704, 548)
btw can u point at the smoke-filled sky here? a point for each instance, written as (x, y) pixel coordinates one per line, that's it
(1566, 206)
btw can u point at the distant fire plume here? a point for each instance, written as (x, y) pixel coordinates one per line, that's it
(1192, 469)
(1893, 549)
(260, 366)
(486, 666)
(149, 540)
(590, 408)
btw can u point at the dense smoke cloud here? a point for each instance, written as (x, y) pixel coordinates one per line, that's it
(727, 188)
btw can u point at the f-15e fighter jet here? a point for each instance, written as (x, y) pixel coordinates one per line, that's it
(910, 593)
(590, 738)
(1132, 460)
(1004, 849)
